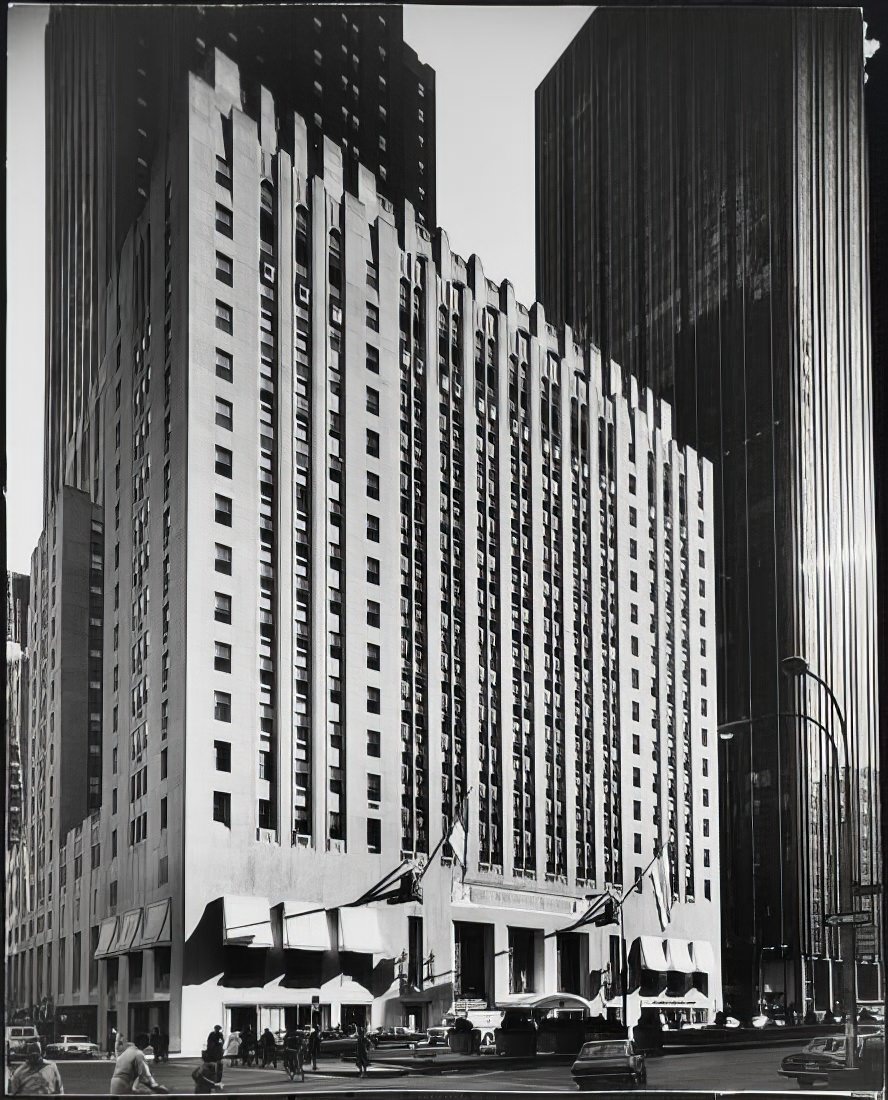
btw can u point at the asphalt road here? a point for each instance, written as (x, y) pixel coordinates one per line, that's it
(736, 1069)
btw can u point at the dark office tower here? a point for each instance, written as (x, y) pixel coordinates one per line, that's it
(17, 597)
(111, 73)
(702, 217)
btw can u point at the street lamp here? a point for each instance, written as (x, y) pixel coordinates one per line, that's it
(797, 667)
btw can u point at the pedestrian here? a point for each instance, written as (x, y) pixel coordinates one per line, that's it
(204, 1076)
(362, 1051)
(246, 1047)
(810, 1016)
(232, 1047)
(215, 1047)
(294, 1054)
(165, 1046)
(155, 1042)
(131, 1072)
(269, 1049)
(314, 1046)
(120, 1044)
(112, 1043)
(37, 1076)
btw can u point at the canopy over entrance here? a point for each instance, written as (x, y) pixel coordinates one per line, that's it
(543, 1002)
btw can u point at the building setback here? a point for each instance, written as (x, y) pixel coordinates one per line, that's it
(702, 218)
(377, 539)
(112, 75)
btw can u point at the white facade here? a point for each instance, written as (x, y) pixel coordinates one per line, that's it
(384, 540)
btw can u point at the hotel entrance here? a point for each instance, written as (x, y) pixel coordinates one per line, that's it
(473, 961)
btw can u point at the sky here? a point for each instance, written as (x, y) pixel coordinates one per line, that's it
(488, 61)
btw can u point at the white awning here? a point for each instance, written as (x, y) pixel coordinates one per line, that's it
(156, 927)
(106, 937)
(247, 921)
(678, 954)
(343, 990)
(359, 931)
(305, 926)
(653, 957)
(692, 999)
(127, 928)
(704, 960)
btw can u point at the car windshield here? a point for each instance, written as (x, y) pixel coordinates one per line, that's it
(815, 1046)
(76, 1039)
(603, 1050)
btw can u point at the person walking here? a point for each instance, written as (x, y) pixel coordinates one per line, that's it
(269, 1049)
(37, 1076)
(362, 1051)
(131, 1072)
(215, 1048)
(248, 1047)
(314, 1045)
(112, 1043)
(204, 1076)
(232, 1047)
(294, 1053)
(164, 1046)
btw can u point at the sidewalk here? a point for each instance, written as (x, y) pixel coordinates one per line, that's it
(429, 1061)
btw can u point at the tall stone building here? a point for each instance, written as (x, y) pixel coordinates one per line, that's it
(702, 217)
(380, 545)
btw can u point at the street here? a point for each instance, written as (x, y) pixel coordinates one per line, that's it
(736, 1069)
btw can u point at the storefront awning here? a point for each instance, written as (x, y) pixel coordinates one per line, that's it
(156, 927)
(247, 921)
(107, 930)
(343, 990)
(127, 927)
(704, 960)
(678, 955)
(305, 927)
(653, 957)
(692, 999)
(359, 931)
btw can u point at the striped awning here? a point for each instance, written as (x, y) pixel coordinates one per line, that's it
(127, 929)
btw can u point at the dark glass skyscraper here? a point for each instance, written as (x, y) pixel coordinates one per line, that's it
(702, 217)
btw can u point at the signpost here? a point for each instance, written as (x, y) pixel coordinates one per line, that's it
(833, 919)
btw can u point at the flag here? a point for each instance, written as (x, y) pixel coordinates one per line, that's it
(659, 876)
(458, 837)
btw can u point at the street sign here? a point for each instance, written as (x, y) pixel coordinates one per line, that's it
(833, 919)
(866, 890)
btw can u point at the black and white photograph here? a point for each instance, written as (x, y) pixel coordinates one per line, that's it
(446, 521)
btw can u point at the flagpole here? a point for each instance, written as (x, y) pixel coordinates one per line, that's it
(446, 834)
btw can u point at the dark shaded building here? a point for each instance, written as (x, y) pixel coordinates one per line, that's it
(17, 599)
(112, 73)
(702, 217)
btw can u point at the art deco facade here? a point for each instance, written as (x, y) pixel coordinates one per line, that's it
(377, 539)
(702, 217)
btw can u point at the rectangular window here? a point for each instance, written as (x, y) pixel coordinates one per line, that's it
(636, 845)
(163, 813)
(222, 659)
(224, 414)
(633, 581)
(372, 401)
(223, 510)
(224, 220)
(163, 763)
(224, 317)
(266, 766)
(372, 613)
(373, 658)
(372, 359)
(707, 889)
(224, 269)
(223, 608)
(636, 777)
(373, 486)
(374, 787)
(372, 443)
(373, 702)
(373, 528)
(636, 811)
(222, 807)
(221, 706)
(372, 317)
(223, 461)
(636, 743)
(373, 570)
(223, 559)
(374, 834)
(223, 755)
(224, 365)
(373, 743)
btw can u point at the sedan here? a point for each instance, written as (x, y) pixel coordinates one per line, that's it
(811, 1066)
(599, 1063)
(73, 1046)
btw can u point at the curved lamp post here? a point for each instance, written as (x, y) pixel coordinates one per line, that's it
(797, 668)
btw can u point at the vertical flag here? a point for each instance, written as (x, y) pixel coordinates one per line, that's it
(659, 876)
(458, 837)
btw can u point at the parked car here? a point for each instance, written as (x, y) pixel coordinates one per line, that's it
(17, 1037)
(825, 1055)
(613, 1060)
(73, 1046)
(869, 1072)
